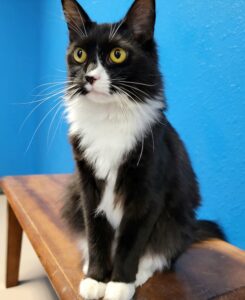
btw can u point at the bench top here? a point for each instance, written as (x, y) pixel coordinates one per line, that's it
(211, 270)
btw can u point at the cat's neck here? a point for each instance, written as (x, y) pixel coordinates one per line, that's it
(107, 131)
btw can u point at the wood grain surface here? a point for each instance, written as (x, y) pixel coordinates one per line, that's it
(13, 249)
(211, 270)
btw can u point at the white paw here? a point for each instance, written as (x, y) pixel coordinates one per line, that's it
(92, 289)
(119, 291)
(142, 277)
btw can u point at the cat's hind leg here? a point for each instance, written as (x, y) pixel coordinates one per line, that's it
(148, 265)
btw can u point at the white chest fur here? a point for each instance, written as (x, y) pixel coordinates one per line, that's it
(109, 130)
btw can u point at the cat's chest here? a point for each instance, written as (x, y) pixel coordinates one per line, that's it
(107, 132)
(105, 136)
(104, 146)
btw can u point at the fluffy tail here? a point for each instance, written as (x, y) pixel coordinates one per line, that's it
(208, 230)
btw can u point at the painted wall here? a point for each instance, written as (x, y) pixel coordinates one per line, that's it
(19, 74)
(201, 47)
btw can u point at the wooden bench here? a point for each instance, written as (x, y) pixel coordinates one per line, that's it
(211, 270)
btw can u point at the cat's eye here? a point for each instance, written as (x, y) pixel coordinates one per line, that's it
(80, 55)
(118, 55)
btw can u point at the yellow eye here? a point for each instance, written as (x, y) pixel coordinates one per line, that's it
(80, 55)
(118, 55)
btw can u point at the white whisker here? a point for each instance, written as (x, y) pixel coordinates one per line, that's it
(52, 121)
(75, 27)
(31, 112)
(112, 32)
(118, 27)
(40, 124)
(136, 89)
(137, 104)
(142, 149)
(57, 127)
(40, 102)
(133, 82)
(50, 95)
(59, 70)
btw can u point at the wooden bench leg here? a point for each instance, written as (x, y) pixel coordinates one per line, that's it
(13, 249)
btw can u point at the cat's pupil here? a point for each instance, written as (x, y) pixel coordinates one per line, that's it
(117, 54)
(80, 53)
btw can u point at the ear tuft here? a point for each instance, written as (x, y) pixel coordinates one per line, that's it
(76, 17)
(141, 19)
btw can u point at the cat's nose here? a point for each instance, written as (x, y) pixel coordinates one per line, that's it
(91, 79)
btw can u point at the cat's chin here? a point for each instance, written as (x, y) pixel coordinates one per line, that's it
(99, 97)
(94, 93)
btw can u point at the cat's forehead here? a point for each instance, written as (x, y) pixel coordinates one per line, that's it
(100, 30)
(100, 35)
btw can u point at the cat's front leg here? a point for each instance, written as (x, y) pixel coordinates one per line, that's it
(134, 232)
(99, 232)
(100, 235)
(89, 288)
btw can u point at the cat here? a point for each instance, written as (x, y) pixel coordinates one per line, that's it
(132, 200)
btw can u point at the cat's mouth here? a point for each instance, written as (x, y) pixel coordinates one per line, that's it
(92, 90)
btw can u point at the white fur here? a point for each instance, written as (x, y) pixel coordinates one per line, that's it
(148, 265)
(83, 247)
(101, 85)
(92, 289)
(113, 212)
(108, 131)
(119, 291)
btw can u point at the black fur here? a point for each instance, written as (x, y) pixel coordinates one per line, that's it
(160, 192)
(142, 62)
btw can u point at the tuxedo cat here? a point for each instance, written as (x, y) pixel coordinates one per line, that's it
(133, 198)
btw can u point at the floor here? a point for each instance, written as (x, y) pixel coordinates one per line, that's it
(34, 284)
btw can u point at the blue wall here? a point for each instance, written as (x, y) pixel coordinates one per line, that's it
(19, 68)
(201, 46)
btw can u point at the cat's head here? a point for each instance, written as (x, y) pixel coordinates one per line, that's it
(113, 59)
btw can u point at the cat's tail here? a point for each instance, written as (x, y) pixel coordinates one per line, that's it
(208, 230)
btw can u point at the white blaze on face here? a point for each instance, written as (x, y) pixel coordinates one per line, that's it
(101, 86)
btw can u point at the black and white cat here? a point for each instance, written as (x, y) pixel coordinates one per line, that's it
(133, 197)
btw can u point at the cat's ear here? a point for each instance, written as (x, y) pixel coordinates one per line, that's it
(141, 19)
(77, 19)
